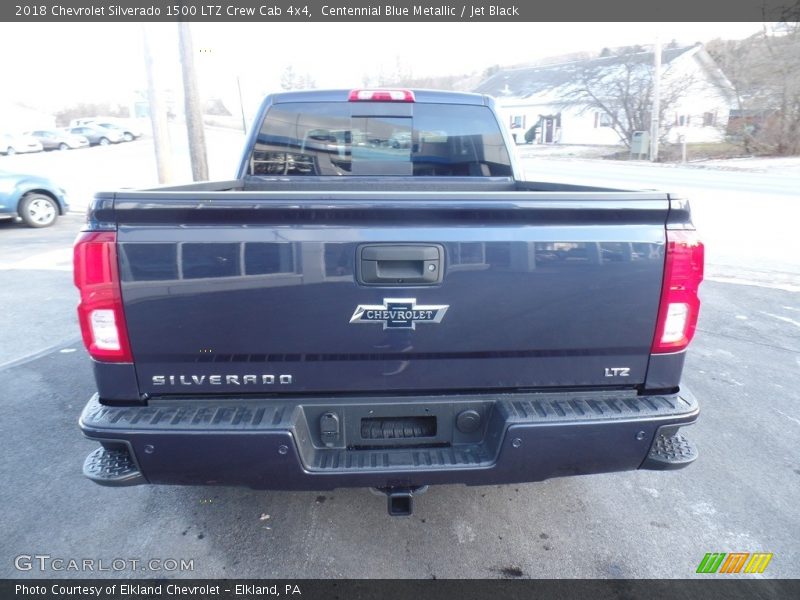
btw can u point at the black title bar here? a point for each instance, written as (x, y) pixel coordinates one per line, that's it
(531, 589)
(397, 10)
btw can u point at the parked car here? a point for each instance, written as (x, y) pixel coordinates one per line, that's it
(97, 136)
(53, 139)
(128, 134)
(36, 200)
(130, 130)
(13, 144)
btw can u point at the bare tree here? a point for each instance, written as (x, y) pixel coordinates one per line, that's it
(765, 72)
(379, 79)
(746, 65)
(438, 82)
(783, 48)
(290, 80)
(620, 87)
(306, 82)
(83, 109)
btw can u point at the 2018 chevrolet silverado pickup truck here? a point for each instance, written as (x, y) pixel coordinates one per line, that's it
(379, 299)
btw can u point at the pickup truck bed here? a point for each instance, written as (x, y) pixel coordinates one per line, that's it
(393, 332)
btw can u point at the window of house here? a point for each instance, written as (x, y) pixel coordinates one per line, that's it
(709, 119)
(517, 121)
(602, 119)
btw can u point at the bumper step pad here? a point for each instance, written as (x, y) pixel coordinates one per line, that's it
(670, 452)
(270, 443)
(113, 467)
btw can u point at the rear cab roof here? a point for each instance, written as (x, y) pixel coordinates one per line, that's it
(428, 96)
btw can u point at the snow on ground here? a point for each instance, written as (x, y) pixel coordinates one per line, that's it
(781, 165)
(787, 165)
(565, 150)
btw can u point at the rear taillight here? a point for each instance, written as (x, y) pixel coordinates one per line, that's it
(381, 96)
(680, 304)
(100, 309)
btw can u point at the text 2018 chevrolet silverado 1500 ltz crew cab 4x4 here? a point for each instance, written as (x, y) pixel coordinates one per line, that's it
(380, 300)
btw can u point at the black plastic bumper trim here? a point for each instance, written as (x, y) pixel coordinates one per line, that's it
(669, 451)
(266, 443)
(115, 467)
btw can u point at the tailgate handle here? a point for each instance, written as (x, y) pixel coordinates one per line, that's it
(400, 264)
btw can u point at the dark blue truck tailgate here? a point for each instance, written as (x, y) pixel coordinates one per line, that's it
(258, 292)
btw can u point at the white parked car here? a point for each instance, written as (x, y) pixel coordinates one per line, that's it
(14, 144)
(130, 129)
(98, 136)
(52, 139)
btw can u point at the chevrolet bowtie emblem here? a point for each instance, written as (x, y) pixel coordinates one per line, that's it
(399, 313)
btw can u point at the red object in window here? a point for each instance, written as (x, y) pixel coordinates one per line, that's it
(100, 311)
(680, 304)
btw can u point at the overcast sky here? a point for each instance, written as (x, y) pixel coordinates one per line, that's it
(52, 65)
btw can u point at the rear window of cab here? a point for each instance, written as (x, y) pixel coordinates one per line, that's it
(334, 139)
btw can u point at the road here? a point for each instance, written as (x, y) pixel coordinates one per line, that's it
(663, 176)
(748, 220)
(741, 495)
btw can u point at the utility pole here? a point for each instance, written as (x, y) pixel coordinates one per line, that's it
(191, 103)
(158, 118)
(241, 104)
(654, 120)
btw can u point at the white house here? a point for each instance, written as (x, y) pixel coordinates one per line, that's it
(540, 96)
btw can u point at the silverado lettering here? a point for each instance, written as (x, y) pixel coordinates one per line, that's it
(383, 301)
(220, 379)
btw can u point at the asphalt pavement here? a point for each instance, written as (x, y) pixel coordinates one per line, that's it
(741, 495)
